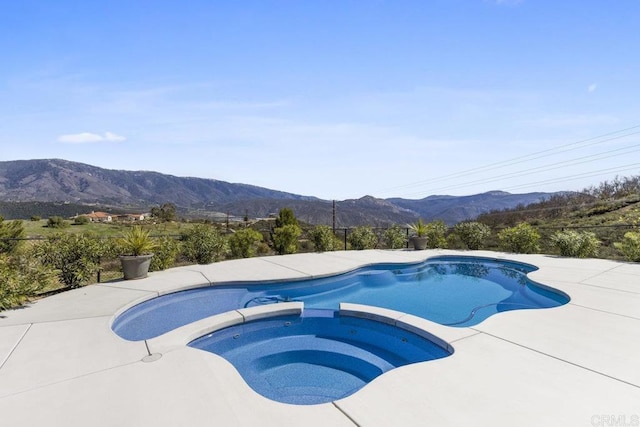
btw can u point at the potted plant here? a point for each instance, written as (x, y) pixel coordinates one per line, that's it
(137, 247)
(419, 238)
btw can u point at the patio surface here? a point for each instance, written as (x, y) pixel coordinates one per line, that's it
(575, 365)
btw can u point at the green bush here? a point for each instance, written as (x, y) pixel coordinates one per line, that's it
(165, 254)
(285, 239)
(21, 278)
(395, 237)
(57, 222)
(10, 233)
(574, 244)
(362, 238)
(203, 244)
(472, 234)
(76, 257)
(522, 239)
(81, 220)
(435, 234)
(630, 246)
(323, 238)
(243, 243)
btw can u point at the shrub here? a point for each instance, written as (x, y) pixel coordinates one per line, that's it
(243, 243)
(36, 217)
(362, 238)
(285, 239)
(630, 246)
(395, 237)
(21, 278)
(57, 222)
(76, 257)
(203, 244)
(472, 234)
(80, 220)
(323, 238)
(10, 233)
(164, 254)
(522, 239)
(574, 244)
(435, 234)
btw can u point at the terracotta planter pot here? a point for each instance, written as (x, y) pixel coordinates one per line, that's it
(419, 243)
(135, 267)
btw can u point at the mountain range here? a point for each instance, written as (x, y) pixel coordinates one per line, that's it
(56, 180)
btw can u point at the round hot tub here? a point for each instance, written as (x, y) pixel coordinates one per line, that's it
(317, 356)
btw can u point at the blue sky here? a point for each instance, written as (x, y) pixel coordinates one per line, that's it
(336, 99)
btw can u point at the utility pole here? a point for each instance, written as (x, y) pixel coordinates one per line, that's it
(334, 217)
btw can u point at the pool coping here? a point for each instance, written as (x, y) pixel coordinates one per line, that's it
(574, 365)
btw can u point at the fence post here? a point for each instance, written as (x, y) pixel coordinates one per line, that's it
(407, 244)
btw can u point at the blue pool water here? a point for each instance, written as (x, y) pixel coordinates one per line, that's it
(316, 357)
(454, 291)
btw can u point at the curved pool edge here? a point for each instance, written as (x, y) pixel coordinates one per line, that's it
(183, 335)
(153, 283)
(411, 260)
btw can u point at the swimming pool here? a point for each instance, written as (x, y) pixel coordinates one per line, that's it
(317, 356)
(454, 291)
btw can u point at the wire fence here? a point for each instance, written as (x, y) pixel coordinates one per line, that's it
(608, 234)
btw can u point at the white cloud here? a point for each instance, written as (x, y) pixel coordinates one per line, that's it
(88, 137)
(592, 87)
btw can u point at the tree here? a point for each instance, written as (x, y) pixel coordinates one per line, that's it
(10, 234)
(286, 217)
(473, 234)
(164, 213)
(285, 239)
(287, 232)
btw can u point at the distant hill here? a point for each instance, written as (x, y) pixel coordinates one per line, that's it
(455, 209)
(55, 180)
(71, 183)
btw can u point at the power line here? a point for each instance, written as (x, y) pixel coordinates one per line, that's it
(521, 159)
(552, 166)
(534, 156)
(629, 167)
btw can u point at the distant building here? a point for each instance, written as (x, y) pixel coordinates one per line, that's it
(132, 217)
(98, 216)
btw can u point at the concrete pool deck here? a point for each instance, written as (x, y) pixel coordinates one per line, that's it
(575, 365)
